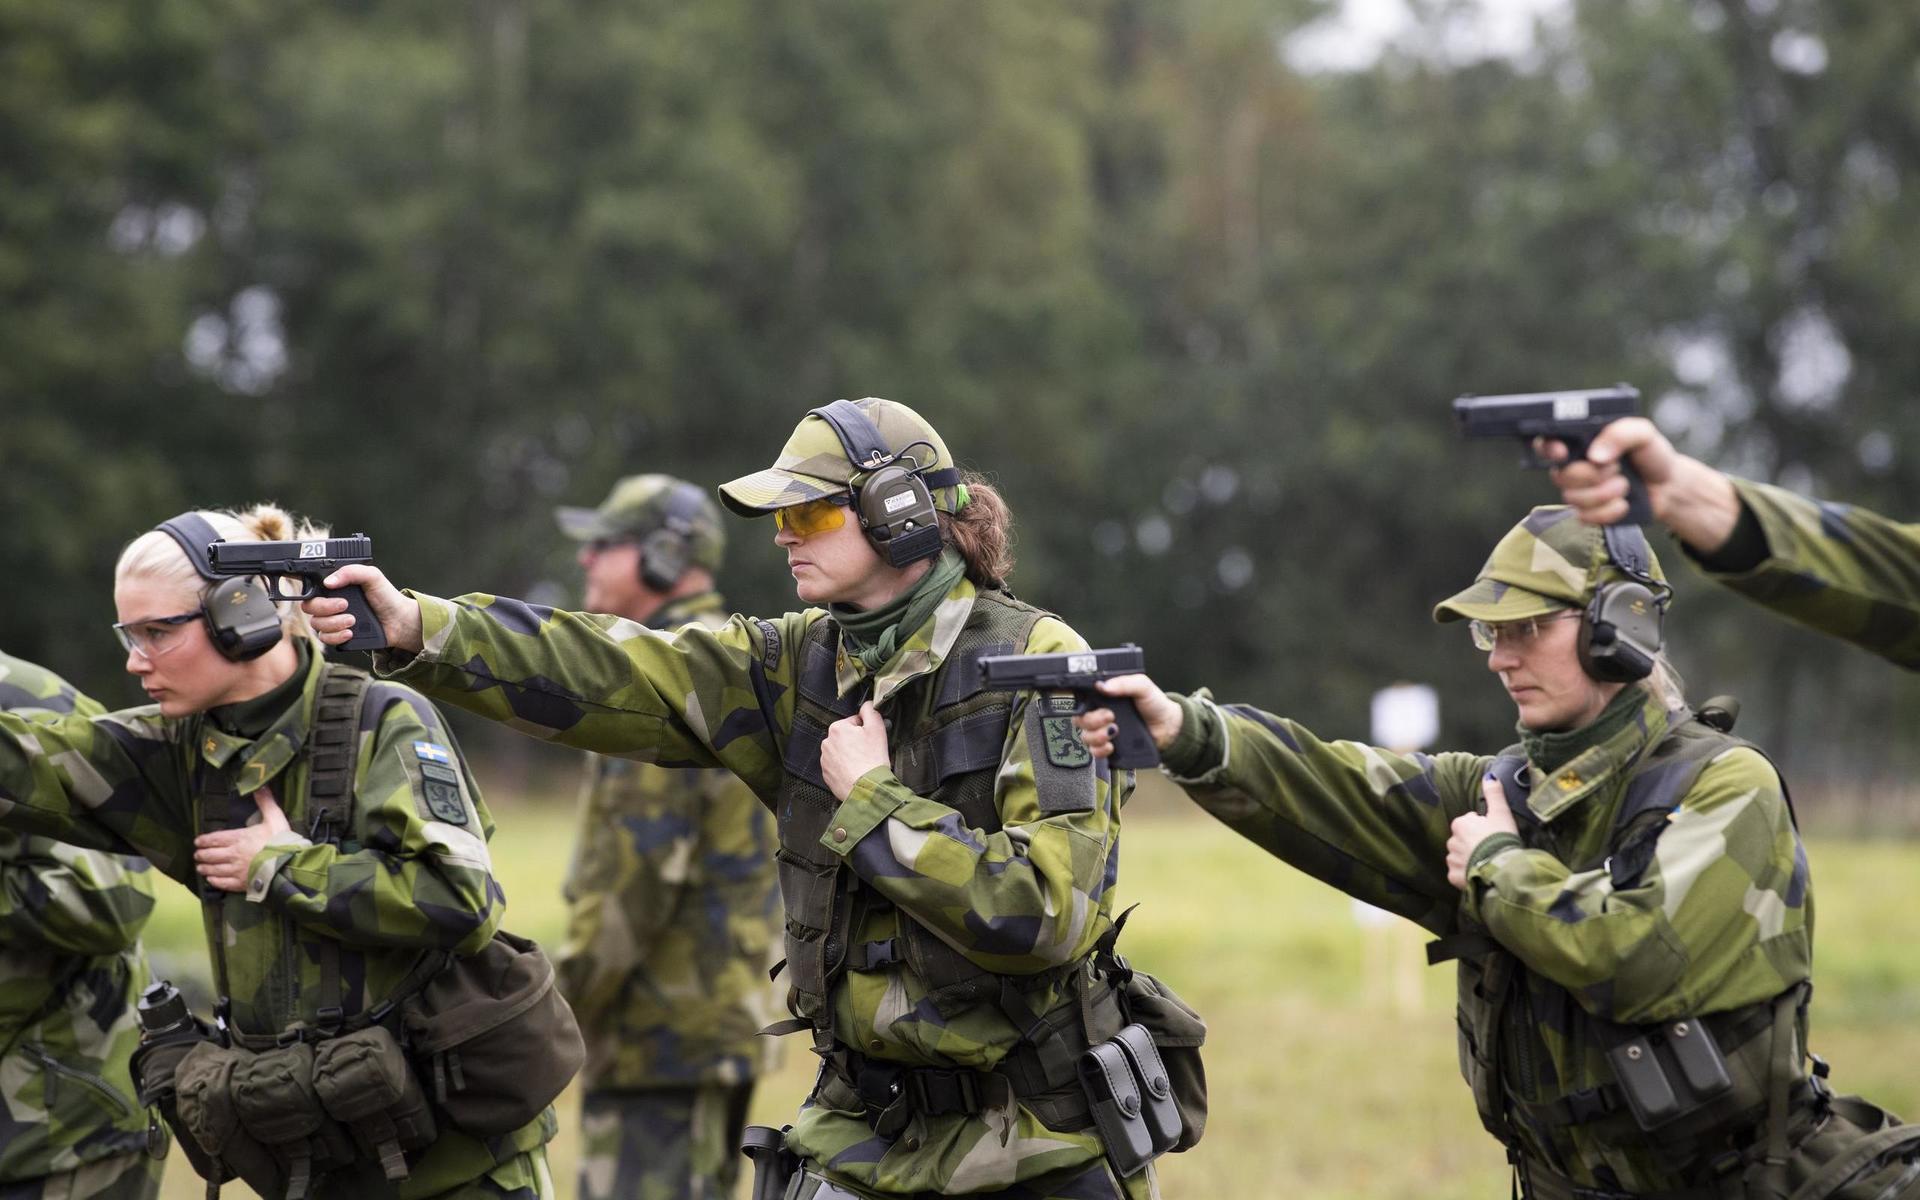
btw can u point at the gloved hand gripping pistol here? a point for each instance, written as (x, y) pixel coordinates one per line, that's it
(1572, 418)
(1074, 674)
(310, 562)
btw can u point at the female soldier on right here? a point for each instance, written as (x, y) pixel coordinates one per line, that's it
(1630, 906)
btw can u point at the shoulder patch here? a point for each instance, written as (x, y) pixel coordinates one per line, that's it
(770, 634)
(432, 752)
(1064, 747)
(440, 787)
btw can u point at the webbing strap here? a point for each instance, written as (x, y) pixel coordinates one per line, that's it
(333, 745)
(1471, 944)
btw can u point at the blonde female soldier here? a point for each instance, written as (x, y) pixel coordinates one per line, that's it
(337, 844)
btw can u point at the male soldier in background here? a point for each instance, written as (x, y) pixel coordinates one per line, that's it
(672, 893)
(1836, 568)
(70, 971)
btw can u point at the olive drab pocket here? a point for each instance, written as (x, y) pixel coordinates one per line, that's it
(274, 1098)
(209, 1119)
(1177, 1034)
(494, 1037)
(364, 1082)
(155, 1069)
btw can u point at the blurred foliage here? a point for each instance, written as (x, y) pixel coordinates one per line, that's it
(427, 270)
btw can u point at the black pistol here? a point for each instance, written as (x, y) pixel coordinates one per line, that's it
(1572, 418)
(1075, 674)
(309, 562)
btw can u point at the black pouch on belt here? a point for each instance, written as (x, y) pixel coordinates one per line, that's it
(1668, 1071)
(1113, 1095)
(1157, 1107)
(364, 1082)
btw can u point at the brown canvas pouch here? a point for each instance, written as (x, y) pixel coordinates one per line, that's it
(364, 1082)
(273, 1094)
(208, 1117)
(493, 1037)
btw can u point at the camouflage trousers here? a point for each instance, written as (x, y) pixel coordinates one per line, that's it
(522, 1177)
(1096, 1182)
(134, 1175)
(662, 1143)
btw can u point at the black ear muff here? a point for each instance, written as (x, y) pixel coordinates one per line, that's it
(1620, 636)
(1622, 632)
(896, 509)
(241, 617)
(240, 613)
(667, 552)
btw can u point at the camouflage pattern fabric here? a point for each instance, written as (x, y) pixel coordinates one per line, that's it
(1079, 1183)
(522, 1176)
(1550, 561)
(673, 905)
(411, 874)
(1029, 898)
(663, 1143)
(813, 464)
(642, 504)
(71, 969)
(129, 1175)
(1836, 568)
(1721, 917)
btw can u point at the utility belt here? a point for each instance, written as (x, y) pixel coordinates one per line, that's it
(480, 1044)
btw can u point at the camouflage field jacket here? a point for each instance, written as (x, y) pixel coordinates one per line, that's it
(70, 970)
(1836, 568)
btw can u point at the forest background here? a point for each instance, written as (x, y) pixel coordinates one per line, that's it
(1195, 296)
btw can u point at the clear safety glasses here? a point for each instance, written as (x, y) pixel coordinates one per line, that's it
(151, 637)
(814, 516)
(1512, 634)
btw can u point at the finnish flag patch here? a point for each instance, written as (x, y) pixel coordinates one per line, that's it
(432, 752)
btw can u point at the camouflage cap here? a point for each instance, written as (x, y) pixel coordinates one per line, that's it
(813, 464)
(642, 504)
(1551, 560)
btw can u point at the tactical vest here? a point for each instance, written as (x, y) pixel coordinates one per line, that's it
(1500, 1001)
(950, 755)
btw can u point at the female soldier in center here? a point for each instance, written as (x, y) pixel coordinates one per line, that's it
(334, 852)
(947, 854)
(1625, 889)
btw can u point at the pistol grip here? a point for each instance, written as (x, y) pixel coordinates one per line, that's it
(367, 633)
(1639, 504)
(1132, 744)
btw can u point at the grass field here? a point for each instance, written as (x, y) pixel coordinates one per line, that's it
(1322, 1084)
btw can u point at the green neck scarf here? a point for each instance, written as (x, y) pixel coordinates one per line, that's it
(251, 718)
(1551, 751)
(873, 635)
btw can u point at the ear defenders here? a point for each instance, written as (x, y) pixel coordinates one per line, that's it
(239, 613)
(894, 500)
(667, 552)
(1622, 631)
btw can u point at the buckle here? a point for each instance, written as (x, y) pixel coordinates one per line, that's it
(939, 1092)
(329, 1020)
(869, 955)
